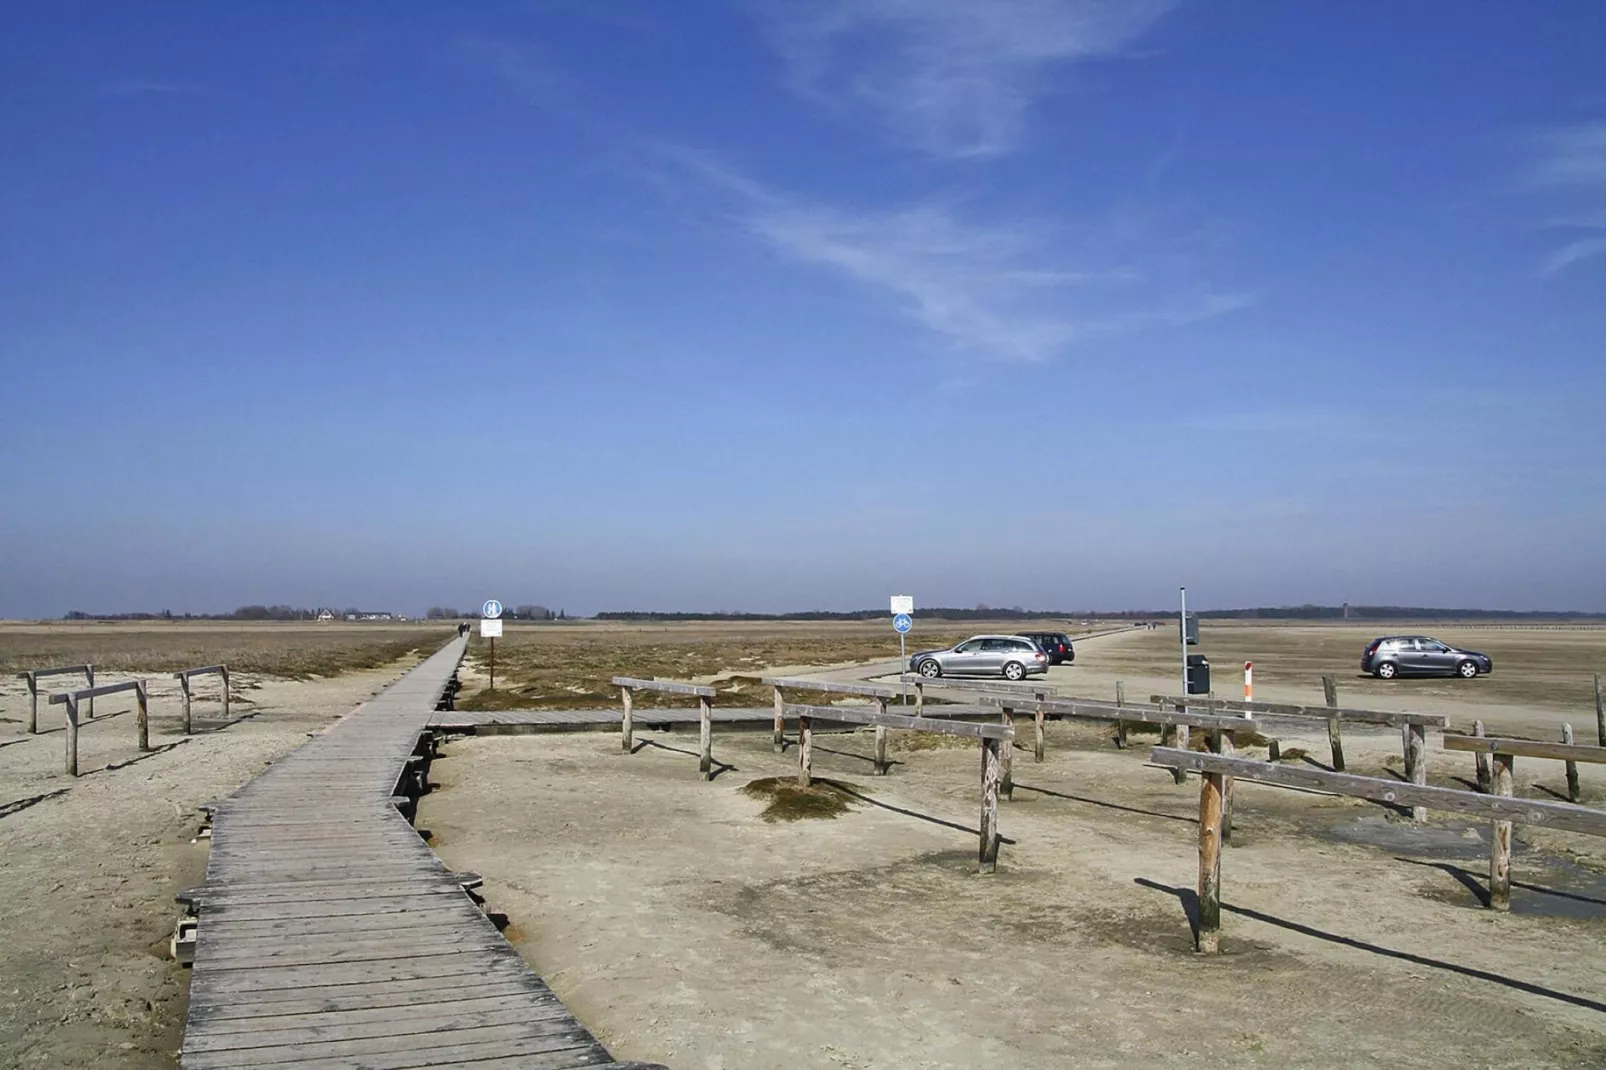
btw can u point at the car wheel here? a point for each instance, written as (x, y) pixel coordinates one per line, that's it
(1386, 671)
(930, 669)
(1467, 669)
(1014, 671)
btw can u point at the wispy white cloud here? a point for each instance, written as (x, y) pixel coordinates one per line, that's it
(1001, 290)
(954, 78)
(1569, 166)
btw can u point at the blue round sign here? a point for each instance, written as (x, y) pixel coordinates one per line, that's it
(902, 622)
(491, 609)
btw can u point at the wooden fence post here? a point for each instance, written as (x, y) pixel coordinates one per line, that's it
(627, 725)
(1334, 738)
(33, 705)
(779, 739)
(705, 737)
(1037, 739)
(1006, 759)
(1600, 713)
(805, 749)
(881, 740)
(184, 686)
(920, 699)
(1120, 726)
(1500, 842)
(1212, 791)
(990, 775)
(1181, 738)
(89, 674)
(72, 736)
(226, 689)
(1481, 761)
(142, 718)
(1572, 767)
(1416, 760)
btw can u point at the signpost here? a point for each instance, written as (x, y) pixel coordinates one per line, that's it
(903, 610)
(491, 628)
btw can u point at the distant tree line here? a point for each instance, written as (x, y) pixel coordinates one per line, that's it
(243, 613)
(516, 613)
(983, 612)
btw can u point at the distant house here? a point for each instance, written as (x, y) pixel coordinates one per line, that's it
(324, 614)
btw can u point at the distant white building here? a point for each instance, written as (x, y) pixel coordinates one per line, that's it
(324, 614)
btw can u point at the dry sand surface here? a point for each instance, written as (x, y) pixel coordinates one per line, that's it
(92, 864)
(684, 928)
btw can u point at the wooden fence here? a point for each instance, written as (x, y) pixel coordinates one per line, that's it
(32, 677)
(704, 694)
(983, 686)
(1413, 726)
(72, 698)
(1217, 771)
(993, 737)
(1505, 751)
(183, 677)
(880, 694)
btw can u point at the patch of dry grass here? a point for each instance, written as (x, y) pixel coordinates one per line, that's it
(295, 651)
(786, 801)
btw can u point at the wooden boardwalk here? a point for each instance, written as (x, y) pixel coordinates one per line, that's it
(331, 936)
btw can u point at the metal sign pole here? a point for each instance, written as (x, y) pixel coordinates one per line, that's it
(1182, 637)
(903, 664)
(493, 664)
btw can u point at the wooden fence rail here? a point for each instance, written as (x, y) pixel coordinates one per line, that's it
(32, 677)
(704, 694)
(951, 683)
(72, 698)
(881, 694)
(993, 737)
(1566, 751)
(1503, 809)
(183, 677)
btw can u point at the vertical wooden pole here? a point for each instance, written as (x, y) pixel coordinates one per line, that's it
(1572, 767)
(1211, 793)
(1481, 761)
(627, 725)
(33, 705)
(705, 737)
(1500, 846)
(142, 717)
(1416, 760)
(920, 700)
(1006, 751)
(1274, 751)
(226, 689)
(881, 740)
(89, 673)
(779, 739)
(1334, 738)
(990, 776)
(1120, 726)
(1037, 739)
(805, 749)
(1180, 738)
(184, 686)
(1600, 713)
(72, 737)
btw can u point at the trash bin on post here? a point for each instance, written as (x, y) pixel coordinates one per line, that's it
(1198, 674)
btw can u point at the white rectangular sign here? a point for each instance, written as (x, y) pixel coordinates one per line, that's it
(490, 629)
(903, 603)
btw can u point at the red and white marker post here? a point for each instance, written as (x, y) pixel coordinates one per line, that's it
(1249, 681)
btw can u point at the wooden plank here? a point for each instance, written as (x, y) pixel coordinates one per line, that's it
(94, 692)
(1526, 748)
(59, 670)
(1285, 709)
(440, 1039)
(205, 670)
(1083, 709)
(673, 687)
(849, 715)
(835, 686)
(1572, 765)
(1212, 792)
(1527, 811)
(960, 683)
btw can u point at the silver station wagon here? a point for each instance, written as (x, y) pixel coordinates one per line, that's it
(1014, 657)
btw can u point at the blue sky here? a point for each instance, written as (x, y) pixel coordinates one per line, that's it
(764, 305)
